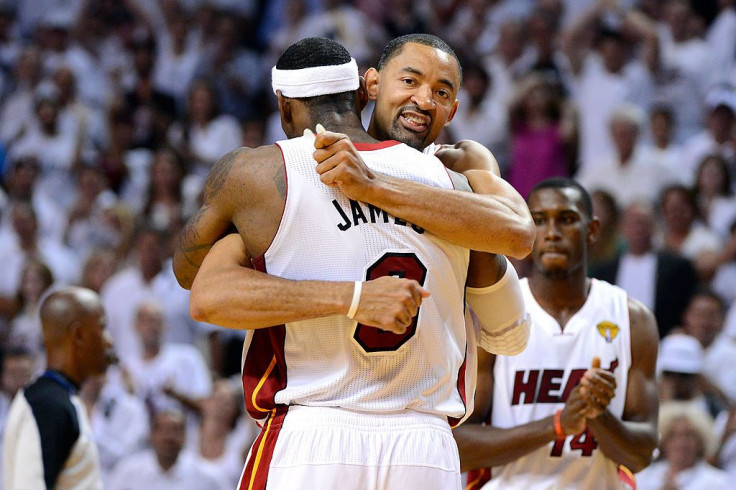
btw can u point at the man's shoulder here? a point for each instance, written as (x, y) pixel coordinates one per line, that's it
(642, 323)
(46, 397)
(246, 159)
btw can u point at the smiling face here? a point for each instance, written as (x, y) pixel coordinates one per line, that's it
(415, 94)
(563, 232)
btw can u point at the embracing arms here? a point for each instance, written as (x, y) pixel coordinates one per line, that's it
(229, 293)
(497, 222)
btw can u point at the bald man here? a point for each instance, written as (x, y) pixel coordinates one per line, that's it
(48, 441)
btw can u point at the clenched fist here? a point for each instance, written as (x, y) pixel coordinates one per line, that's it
(390, 303)
(340, 165)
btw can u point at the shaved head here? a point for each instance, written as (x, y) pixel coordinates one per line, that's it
(77, 342)
(63, 308)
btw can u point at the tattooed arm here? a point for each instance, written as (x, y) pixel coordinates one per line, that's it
(209, 223)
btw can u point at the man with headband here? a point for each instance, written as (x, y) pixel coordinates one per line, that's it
(501, 223)
(343, 403)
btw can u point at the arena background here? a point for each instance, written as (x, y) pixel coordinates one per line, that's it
(112, 112)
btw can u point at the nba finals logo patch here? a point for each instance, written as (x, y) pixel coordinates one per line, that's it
(607, 330)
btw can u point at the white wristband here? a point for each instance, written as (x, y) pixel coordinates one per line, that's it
(357, 289)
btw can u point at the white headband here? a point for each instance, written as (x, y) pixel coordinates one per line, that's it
(316, 80)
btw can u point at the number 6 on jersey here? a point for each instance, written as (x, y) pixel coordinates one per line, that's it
(398, 264)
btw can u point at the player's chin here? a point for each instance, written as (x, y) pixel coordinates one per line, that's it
(557, 263)
(417, 140)
(554, 269)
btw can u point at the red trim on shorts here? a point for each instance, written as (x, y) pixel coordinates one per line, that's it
(259, 376)
(255, 474)
(478, 478)
(461, 389)
(375, 146)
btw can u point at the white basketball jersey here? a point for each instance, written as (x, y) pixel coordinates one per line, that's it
(333, 361)
(535, 384)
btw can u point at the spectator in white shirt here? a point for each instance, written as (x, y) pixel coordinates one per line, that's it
(176, 59)
(118, 418)
(703, 319)
(55, 147)
(687, 440)
(479, 117)
(717, 137)
(685, 235)
(167, 375)
(237, 74)
(661, 149)
(714, 194)
(721, 37)
(166, 465)
(17, 113)
(626, 174)
(607, 77)
(726, 275)
(150, 278)
(224, 435)
(687, 68)
(503, 64)
(205, 133)
(62, 261)
(20, 183)
(85, 121)
(25, 326)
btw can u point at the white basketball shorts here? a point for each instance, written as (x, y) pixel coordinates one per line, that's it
(336, 449)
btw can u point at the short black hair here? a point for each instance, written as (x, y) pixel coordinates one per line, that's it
(565, 183)
(707, 292)
(394, 47)
(319, 51)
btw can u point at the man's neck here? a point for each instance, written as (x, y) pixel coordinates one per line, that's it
(348, 124)
(151, 352)
(167, 464)
(560, 297)
(62, 363)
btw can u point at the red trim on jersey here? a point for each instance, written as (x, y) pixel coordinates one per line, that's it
(375, 146)
(255, 474)
(449, 176)
(461, 389)
(264, 367)
(478, 478)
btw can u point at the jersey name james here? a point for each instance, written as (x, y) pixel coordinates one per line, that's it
(334, 361)
(362, 213)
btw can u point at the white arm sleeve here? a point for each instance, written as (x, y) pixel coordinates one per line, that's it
(501, 313)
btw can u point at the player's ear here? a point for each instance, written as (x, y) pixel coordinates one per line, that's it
(284, 105)
(372, 77)
(285, 109)
(77, 333)
(361, 96)
(452, 111)
(594, 227)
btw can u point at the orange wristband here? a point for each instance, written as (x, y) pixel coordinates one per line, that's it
(559, 431)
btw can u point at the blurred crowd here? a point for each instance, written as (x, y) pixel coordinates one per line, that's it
(112, 112)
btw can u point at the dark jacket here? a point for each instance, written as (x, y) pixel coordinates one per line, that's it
(676, 281)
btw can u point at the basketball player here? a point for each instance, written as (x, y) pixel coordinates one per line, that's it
(391, 400)
(555, 422)
(417, 77)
